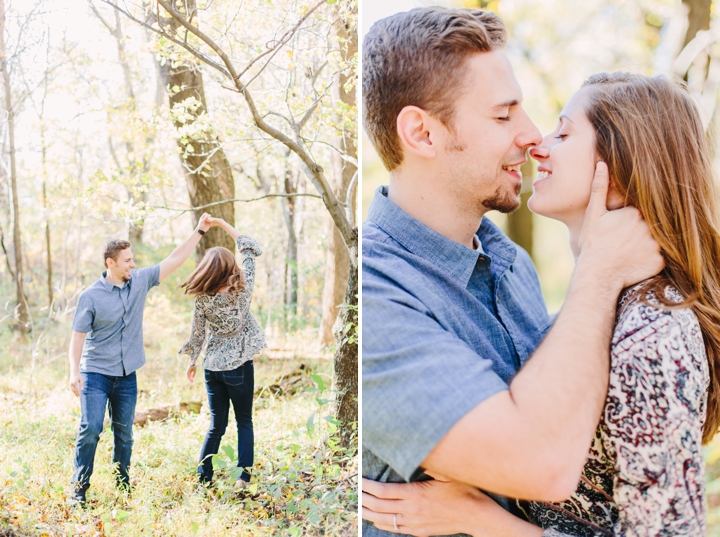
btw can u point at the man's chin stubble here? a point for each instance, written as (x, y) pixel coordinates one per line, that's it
(502, 201)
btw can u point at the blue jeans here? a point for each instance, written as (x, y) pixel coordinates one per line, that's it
(119, 394)
(237, 386)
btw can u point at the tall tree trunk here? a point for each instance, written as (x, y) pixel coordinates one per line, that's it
(207, 170)
(22, 305)
(337, 258)
(346, 357)
(346, 360)
(520, 222)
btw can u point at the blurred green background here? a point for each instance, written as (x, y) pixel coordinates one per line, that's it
(554, 46)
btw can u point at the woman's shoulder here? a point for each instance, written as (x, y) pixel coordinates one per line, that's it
(646, 328)
(639, 308)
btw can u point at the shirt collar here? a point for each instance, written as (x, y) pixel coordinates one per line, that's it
(108, 285)
(452, 257)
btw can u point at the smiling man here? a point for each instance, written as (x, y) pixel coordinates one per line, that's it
(106, 349)
(452, 309)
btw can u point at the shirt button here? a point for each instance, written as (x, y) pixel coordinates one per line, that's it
(481, 259)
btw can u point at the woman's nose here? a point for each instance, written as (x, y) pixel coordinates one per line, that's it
(539, 152)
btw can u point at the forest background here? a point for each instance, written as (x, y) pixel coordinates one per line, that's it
(554, 46)
(129, 119)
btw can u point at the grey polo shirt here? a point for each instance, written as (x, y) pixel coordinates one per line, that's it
(444, 328)
(112, 318)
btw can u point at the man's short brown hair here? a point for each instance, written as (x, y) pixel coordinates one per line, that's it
(417, 58)
(112, 248)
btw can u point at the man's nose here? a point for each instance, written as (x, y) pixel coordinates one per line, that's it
(530, 135)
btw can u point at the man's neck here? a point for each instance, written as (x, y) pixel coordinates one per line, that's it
(113, 280)
(435, 207)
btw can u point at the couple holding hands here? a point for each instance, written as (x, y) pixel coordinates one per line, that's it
(106, 349)
(591, 423)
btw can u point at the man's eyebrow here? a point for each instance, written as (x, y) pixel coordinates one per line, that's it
(506, 104)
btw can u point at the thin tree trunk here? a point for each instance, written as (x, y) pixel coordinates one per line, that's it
(22, 305)
(520, 225)
(207, 170)
(289, 207)
(7, 256)
(291, 262)
(698, 18)
(337, 257)
(46, 208)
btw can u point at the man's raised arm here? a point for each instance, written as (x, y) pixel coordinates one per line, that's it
(180, 254)
(531, 441)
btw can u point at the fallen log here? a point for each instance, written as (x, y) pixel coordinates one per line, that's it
(162, 412)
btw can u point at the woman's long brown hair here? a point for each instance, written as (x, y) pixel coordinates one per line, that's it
(650, 134)
(217, 269)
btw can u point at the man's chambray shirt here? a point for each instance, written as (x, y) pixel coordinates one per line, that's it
(444, 328)
(112, 317)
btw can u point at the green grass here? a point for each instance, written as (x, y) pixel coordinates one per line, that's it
(303, 484)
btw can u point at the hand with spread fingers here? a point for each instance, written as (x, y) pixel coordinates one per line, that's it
(437, 507)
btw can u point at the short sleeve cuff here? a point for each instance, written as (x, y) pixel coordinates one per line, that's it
(82, 321)
(149, 275)
(408, 459)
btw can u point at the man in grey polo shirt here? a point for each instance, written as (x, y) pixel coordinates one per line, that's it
(106, 348)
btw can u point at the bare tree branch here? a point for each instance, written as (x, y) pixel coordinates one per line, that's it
(213, 204)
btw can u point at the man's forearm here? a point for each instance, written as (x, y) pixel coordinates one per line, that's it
(535, 436)
(179, 255)
(74, 356)
(563, 387)
(77, 340)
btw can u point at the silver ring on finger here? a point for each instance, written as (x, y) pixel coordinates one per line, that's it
(395, 522)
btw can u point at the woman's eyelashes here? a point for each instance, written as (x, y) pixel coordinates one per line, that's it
(561, 136)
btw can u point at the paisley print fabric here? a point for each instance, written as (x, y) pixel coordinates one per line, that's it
(235, 336)
(644, 475)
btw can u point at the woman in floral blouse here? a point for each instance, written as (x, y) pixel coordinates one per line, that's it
(222, 315)
(644, 475)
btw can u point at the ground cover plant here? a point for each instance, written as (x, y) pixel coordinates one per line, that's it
(303, 482)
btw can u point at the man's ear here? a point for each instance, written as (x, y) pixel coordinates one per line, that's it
(615, 200)
(414, 127)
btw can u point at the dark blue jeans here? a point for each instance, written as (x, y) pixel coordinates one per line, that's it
(237, 386)
(119, 394)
